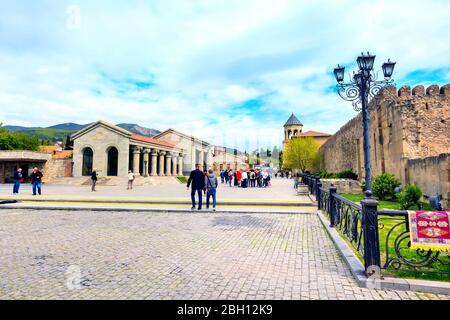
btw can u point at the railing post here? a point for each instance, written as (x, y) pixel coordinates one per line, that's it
(317, 186)
(332, 206)
(369, 224)
(313, 185)
(319, 196)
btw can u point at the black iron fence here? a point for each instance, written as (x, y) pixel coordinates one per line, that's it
(381, 237)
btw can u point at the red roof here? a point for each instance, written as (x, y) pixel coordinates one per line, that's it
(151, 140)
(314, 134)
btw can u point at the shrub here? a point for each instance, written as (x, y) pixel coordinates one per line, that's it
(326, 175)
(383, 186)
(410, 196)
(347, 174)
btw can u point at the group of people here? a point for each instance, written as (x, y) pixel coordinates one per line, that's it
(246, 179)
(205, 182)
(199, 181)
(35, 179)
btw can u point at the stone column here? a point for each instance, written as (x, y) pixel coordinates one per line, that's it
(136, 158)
(180, 164)
(174, 164)
(146, 162)
(162, 154)
(154, 163)
(201, 159)
(169, 164)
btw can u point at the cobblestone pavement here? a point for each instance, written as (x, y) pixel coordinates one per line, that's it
(122, 255)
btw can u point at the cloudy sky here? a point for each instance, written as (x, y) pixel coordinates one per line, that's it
(228, 71)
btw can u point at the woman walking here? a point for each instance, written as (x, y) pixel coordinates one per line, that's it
(94, 178)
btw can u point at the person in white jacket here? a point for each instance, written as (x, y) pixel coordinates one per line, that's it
(130, 180)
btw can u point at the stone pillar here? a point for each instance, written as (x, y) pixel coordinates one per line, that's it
(169, 164)
(153, 171)
(162, 154)
(136, 158)
(201, 159)
(174, 164)
(180, 164)
(146, 162)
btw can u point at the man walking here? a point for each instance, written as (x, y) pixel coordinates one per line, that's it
(36, 180)
(211, 188)
(197, 178)
(130, 180)
(94, 178)
(17, 180)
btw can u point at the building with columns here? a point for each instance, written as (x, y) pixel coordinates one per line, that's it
(113, 151)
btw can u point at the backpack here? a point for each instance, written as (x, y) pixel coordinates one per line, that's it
(252, 175)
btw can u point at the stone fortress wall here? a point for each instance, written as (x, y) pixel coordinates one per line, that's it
(409, 136)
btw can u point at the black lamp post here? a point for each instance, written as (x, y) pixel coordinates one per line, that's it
(363, 85)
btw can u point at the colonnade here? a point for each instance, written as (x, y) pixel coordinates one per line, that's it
(157, 162)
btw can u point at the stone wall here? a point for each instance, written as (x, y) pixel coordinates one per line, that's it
(342, 185)
(408, 124)
(57, 168)
(432, 174)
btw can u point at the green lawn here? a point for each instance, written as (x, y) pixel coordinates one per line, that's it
(386, 223)
(384, 204)
(182, 179)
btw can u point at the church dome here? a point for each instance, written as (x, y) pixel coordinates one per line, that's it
(293, 121)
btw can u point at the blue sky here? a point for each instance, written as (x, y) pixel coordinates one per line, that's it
(228, 71)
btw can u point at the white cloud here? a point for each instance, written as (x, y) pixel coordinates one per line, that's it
(205, 58)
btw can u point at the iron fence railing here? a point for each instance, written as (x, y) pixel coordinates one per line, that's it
(381, 237)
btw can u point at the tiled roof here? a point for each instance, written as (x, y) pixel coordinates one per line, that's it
(314, 134)
(293, 121)
(138, 137)
(62, 154)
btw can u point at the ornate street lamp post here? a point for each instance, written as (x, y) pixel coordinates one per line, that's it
(364, 85)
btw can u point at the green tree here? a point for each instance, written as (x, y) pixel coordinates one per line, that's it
(301, 153)
(17, 140)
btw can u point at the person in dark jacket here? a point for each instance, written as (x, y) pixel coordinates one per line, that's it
(36, 180)
(94, 178)
(197, 179)
(17, 179)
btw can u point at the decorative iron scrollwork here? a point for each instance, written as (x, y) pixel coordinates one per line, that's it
(398, 253)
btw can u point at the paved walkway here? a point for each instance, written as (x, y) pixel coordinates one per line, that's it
(281, 190)
(122, 255)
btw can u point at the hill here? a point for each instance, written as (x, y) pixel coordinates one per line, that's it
(59, 132)
(139, 130)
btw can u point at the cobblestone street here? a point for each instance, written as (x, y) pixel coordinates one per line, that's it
(122, 255)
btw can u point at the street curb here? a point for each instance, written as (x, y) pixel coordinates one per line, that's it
(137, 209)
(156, 201)
(358, 271)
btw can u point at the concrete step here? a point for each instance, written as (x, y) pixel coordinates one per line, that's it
(143, 181)
(117, 181)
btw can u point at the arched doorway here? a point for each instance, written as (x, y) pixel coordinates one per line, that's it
(113, 163)
(88, 155)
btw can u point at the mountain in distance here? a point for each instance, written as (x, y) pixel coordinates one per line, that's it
(60, 131)
(68, 126)
(134, 128)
